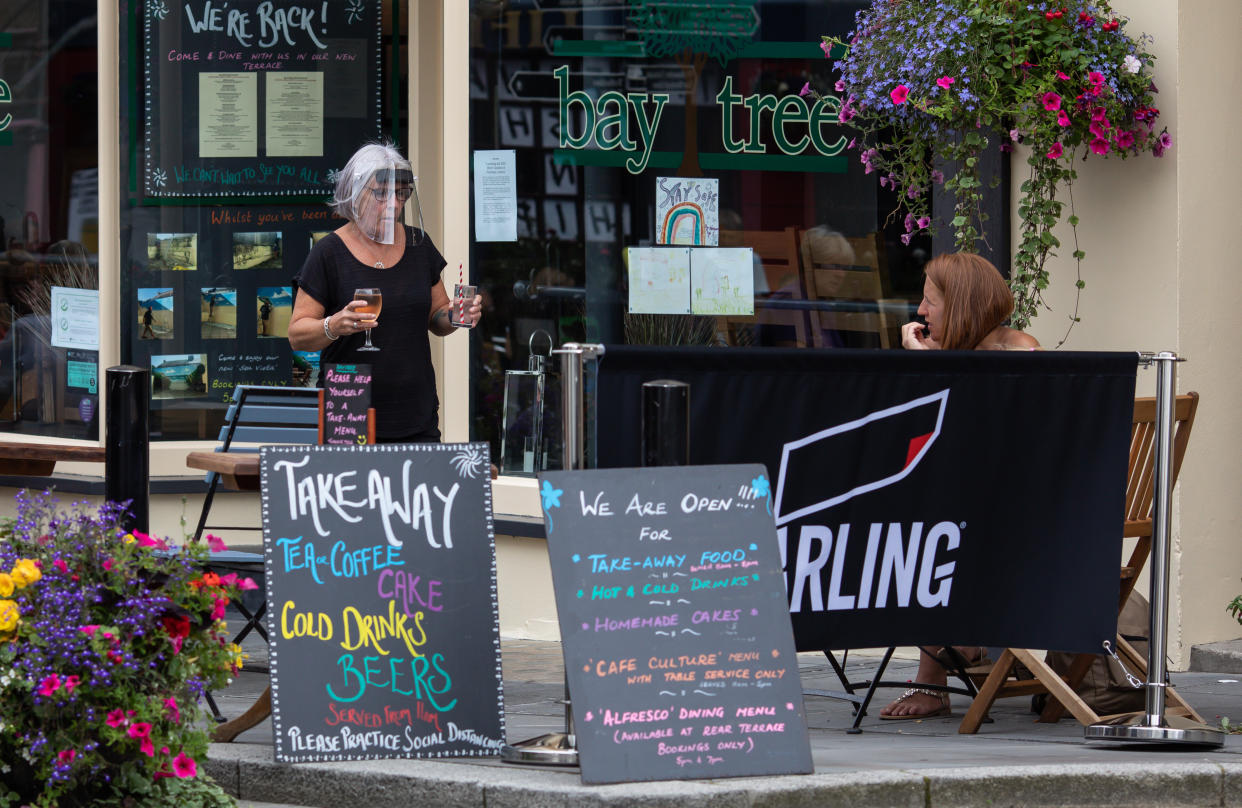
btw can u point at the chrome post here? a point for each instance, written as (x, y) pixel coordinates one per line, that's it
(561, 748)
(1153, 726)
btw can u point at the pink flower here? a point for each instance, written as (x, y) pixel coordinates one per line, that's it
(1099, 129)
(806, 90)
(1052, 101)
(89, 630)
(899, 94)
(71, 683)
(173, 711)
(107, 565)
(1100, 115)
(1099, 146)
(905, 238)
(49, 685)
(218, 612)
(1124, 138)
(140, 729)
(839, 86)
(937, 176)
(1095, 78)
(1062, 76)
(1163, 143)
(216, 544)
(1062, 118)
(146, 747)
(66, 756)
(116, 718)
(184, 766)
(60, 565)
(923, 222)
(148, 541)
(1056, 151)
(945, 82)
(909, 223)
(826, 48)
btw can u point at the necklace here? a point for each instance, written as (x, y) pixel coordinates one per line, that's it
(363, 240)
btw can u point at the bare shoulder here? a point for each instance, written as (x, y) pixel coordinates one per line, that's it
(1008, 339)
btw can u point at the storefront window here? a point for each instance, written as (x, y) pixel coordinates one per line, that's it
(649, 173)
(49, 234)
(235, 120)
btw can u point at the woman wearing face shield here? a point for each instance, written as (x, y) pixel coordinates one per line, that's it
(376, 250)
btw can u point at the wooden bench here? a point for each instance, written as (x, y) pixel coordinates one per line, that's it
(38, 460)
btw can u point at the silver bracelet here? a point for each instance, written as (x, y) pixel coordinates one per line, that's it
(327, 332)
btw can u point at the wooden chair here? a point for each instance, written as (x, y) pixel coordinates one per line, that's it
(782, 269)
(846, 276)
(999, 682)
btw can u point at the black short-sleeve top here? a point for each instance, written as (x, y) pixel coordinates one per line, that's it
(404, 388)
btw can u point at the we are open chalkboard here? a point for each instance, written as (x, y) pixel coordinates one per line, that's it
(676, 632)
(381, 596)
(346, 399)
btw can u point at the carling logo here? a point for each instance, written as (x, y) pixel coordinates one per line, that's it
(866, 454)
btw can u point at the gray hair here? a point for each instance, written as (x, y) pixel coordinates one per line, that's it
(364, 162)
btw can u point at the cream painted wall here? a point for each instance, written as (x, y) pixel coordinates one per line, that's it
(1161, 273)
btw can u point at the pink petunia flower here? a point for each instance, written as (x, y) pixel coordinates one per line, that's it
(937, 176)
(839, 86)
(216, 544)
(246, 584)
(146, 747)
(1163, 144)
(945, 82)
(71, 683)
(1100, 115)
(140, 729)
(1096, 78)
(60, 565)
(905, 238)
(49, 685)
(107, 565)
(1052, 101)
(1056, 151)
(1099, 146)
(184, 766)
(1098, 129)
(173, 711)
(66, 756)
(116, 718)
(899, 94)
(923, 222)
(218, 611)
(89, 630)
(1062, 76)
(805, 91)
(1062, 118)
(826, 48)
(1124, 138)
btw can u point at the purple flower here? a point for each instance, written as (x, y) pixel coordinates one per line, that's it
(1163, 144)
(806, 89)
(839, 86)
(937, 176)
(923, 222)
(1124, 138)
(905, 238)
(909, 223)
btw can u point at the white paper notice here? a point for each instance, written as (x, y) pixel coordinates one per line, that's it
(659, 280)
(723, 280)
(228, 115)
(495, 195)
(75, 318)
(294, 114)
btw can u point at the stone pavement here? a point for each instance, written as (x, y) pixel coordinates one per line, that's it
(1011, 761)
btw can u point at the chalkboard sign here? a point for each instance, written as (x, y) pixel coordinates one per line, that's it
(251, 98)
(381, 596)
(675, 625)
(346, 399)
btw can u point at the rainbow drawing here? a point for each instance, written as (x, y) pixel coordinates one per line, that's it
(683, 224)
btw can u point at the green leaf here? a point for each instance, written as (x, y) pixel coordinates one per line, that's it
(959, 221)
(1073, 220)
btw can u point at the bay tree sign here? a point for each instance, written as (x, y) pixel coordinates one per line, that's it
(381, 595)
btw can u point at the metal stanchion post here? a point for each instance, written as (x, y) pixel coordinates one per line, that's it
(561, 748)
(1152, 725)
(127, 439)
(666, 423)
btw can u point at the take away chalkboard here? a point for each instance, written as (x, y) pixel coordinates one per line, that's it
(346, 400)
(381, 598)
(674, 623)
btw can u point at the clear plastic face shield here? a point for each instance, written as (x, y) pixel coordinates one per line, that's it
(378, 196)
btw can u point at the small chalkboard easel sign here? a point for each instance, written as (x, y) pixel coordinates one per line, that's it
(346, 417)
(381, 595)
(677, 640)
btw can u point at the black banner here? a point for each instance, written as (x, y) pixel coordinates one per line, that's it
(970, 498)
(381, 596)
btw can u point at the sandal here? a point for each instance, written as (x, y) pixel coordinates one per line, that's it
(943, 709)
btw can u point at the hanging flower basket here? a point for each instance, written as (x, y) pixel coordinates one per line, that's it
(1066, 80)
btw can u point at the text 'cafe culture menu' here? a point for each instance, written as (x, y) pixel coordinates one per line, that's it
(675, 624)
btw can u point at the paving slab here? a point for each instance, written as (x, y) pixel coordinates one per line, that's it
(1013, 760)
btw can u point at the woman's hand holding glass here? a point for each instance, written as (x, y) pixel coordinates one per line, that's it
(350, 320)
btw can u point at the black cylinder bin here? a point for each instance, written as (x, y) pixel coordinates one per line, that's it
(666, 423)
(127, 464)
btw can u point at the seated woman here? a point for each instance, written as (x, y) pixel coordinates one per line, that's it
(965, 303)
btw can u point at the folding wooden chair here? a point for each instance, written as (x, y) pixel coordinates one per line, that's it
(778, 251)
(1137, 524)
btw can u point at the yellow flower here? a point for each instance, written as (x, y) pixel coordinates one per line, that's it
(9, 615)
(128, 538)
(6, 585)
(25, 572)
(236, 651)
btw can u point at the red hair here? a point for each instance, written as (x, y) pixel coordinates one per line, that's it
(976, 298)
